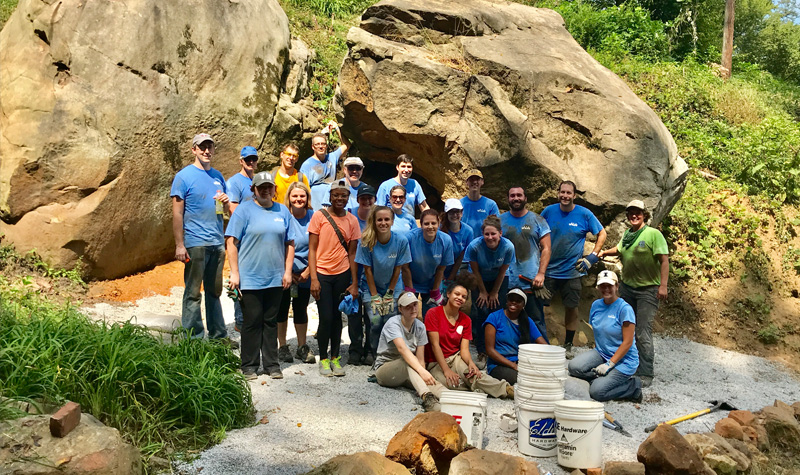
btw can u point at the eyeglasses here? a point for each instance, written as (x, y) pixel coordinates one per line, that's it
(354, 168)
(293, 155)
(398, 197)
(317, 145)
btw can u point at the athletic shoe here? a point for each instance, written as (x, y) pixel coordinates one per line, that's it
(325, 367)
(336, 366)
(353, 359)
(249, 375)
(305, 354)
(509, 392)
(430, 403)
(236, 328)
(276, 374)
(480, 361)
(284, 354)
(570, 350)
(368, 360)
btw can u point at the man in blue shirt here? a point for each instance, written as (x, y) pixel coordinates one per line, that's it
(238, 192)
(353, 169)
(199, 200)
(477, 207)
(414, 194)
(530, 235)
(320, 168)
(569, 225)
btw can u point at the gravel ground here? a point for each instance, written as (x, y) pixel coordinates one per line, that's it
(311, 418)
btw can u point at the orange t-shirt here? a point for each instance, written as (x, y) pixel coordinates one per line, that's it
(332, 258)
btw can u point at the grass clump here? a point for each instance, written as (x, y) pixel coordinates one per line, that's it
(163, 398)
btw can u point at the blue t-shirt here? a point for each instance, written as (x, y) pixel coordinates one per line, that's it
(507, 335)
(404, 223)
(414, 194)
(606, 321)
(490, 261)
(239, 188)
(383, 259)
(300, 228)
(262, 234)
(567, 237)
(461, 240)
(525, 233)
(352, 202)
(320, 175)
(202, 226)
(476, 211)
(427, 256)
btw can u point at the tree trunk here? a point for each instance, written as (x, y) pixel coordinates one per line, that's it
(727, 40)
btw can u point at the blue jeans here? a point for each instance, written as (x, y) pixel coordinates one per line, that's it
(479, 314)
(374, 322)
(644, 301)
(204, 267)
(238, 318)
(535, 309)
(614, 385)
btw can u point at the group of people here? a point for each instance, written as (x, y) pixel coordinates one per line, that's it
(294, 234)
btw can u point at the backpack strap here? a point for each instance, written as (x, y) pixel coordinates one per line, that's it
(336, 229)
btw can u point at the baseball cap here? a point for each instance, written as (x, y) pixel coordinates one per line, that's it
(365, 190)
(353, 161)
(407, 299)
(452, 203)
(248, 151)
(340, 185)
(518, 292)
(606, 277)
(636, 204)
(262, 178)
(200, 138)
(474, 172)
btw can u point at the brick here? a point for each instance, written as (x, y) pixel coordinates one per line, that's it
(65, 419)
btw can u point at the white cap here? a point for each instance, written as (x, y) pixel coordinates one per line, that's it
(407, 299)
(452, 203)
(520, 293)
(607, 277)
(353, 161)
(636, 204)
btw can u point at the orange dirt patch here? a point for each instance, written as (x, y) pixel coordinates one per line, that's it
(157, 281)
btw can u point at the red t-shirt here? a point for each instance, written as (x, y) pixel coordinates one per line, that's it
(449, 335)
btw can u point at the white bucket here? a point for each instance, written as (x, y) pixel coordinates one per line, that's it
(579, 429)
(536, 428)
(469, 410)
(544, 382)
(543, 356)
(528, 395)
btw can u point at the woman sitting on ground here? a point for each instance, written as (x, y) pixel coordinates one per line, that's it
(611, 365)
(447, 353)
(401, 354)
(505, 330)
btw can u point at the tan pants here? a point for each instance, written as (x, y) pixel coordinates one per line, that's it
(398, 373)
(489, 385)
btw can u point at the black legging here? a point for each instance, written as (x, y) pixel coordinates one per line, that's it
(299, 306)
(504, 372)
(330, 319)
(260, 329)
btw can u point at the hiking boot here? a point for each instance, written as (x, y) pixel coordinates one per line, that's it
(509, 392)
(430, 403)
(285, 355)
(325, 368)
(368, 360)
(276, 374)
(570, 353)
(249, 374)
(336, 366)
(305, 354)
(353, 359)
(480, 361)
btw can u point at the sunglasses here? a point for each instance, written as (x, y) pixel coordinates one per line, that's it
(294, 155)
(398, 198)
(250, 159)
(354, 168)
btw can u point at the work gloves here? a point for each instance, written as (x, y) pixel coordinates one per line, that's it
(376, 305)
(387, 304)
(542, 293)
(436, 298)
(603, 369)
(585, 263)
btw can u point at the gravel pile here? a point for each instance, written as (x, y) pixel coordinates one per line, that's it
(307, 419)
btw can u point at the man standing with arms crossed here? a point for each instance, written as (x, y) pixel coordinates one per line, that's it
(320, 168)
(198, 203)
(530, 235)
(569, 224)
(477, 207)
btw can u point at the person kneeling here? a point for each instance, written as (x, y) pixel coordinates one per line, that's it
(611, 366)
(505, 330)
(401, 354)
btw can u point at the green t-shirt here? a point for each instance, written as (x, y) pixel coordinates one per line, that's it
(640, 263)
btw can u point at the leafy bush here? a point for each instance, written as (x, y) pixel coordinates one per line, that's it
(332, 8)
(770, 334)
(162, 397)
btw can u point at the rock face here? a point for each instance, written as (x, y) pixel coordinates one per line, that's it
(427, 443)
(98, 105)
(26, 447)
(505, 88)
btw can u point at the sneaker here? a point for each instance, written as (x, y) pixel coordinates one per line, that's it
(638, 396)
(285, 355)
(353, 359)
(336, 366)
(236, 328)
(570, 351)
(480, 361)
(305, 354)
(509, 392)
(249, 374)
(325, 368)
(647, 381)
(368, 360)
(276, 374)
(430, 403)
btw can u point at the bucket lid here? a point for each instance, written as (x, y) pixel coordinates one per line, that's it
(542, 350)
(462, 397)
(576, 408)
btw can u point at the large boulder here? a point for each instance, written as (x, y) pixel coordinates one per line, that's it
(27, 447)
(486, 462)
(428, 443)
(505, 88)
(98, 105)
(361, 463)
(665, 452)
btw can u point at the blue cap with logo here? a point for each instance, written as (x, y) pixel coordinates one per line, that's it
(249, 151)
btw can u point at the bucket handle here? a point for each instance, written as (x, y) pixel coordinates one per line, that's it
(546, 374)
(599, 418)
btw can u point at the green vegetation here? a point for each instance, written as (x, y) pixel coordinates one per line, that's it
(6, 9)
(164, 398)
